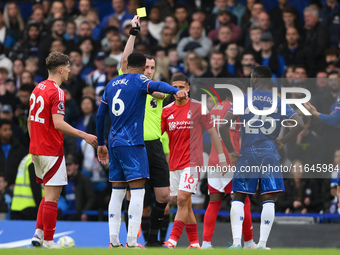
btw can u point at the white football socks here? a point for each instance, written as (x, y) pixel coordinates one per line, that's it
(115, 211)
(39, 232)
(267, 219)
(135, 214)
(236, 219)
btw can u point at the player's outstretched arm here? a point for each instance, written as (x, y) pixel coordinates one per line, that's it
(159, 86)
(329, 119)
(224, 132)
(130, 43)
(64, 127)
(293, 132)
(158, 95)
(219, 149)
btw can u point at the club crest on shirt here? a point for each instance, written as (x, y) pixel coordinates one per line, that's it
(189, 114)
(153, 103)
(61, 106)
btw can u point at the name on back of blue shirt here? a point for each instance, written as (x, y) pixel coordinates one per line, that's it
(122, 81)
(263, 98)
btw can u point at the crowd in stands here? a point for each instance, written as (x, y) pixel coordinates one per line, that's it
(208, 39)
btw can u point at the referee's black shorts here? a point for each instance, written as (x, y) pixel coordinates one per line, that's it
(158, 167)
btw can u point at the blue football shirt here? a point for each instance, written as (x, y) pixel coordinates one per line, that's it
(260, 128)
(124, 97)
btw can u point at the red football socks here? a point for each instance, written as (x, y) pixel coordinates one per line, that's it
(40, 222)
(49, 220)
(247, 227)
(191, 230)
(210, 219)
(177, 230)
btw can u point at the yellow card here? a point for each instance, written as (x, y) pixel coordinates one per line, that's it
(141, 12)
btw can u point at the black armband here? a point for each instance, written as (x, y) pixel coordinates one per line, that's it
(134, 31)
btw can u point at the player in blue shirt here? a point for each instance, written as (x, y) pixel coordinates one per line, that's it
(259, 151)
(124, 97)
(333, 120)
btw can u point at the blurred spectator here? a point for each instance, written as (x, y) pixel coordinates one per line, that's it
(18, 68)
(155, 24)
(87, 121)
(182, 17)
(38, 16)
(199, 16)
(29, 45)
(6, 112)
(11, 86)
(97, 78)
(332, 197)
(133, 5)
(195, 42)
(71, 10)
(316, 41)
(195, 66)
(255, 33)
(5, 62)
(84, 8)
(11, 152)
(84, 30)
(175, 65)
(72, 112)
(57, 11)
(145, 36)
(330, 18)
(5, 196)
(79, 193)
(110, 68)
(167, 39)
(31, 65)
(89, 92)
(248, 64)
(172, 22)
(290, 19)
(276, 13)
(8, 37)
(217, 68)
(118, 7)
(116, 49)
(223, 37)
(26, 77)
(291, 50)
(307, 146)
(93, 18)
(205, 6)
(224, 19)
(86, 46)
(71, 32)
(269, 57)
(27, 193)
(5, 96)
(166, 7)
(57, 32)
(22, 109)
(75, 81)
(232, 59)
(237, 9)
(162, 72)
(13, 19)
(252, 20)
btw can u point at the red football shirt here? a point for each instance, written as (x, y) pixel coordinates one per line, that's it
(184, 125)
(218, 112)
(46, 99)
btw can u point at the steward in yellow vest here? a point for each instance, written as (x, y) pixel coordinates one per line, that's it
(27, 193)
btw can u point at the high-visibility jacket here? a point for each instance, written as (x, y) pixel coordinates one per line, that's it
(22, 194)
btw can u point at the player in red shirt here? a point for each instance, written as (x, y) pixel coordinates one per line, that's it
(219, 185)
(183, 122)
(46, 126)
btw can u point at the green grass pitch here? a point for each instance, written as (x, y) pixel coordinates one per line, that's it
(163, 251)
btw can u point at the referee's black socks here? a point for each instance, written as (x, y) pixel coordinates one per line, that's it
(156, 218)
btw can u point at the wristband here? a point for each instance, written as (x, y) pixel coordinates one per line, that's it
(222, 158)
(134, 31)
